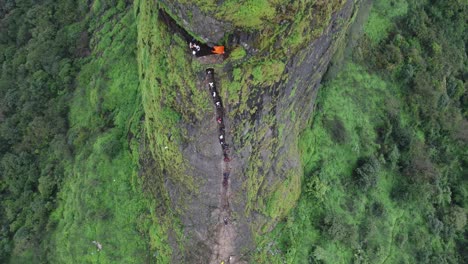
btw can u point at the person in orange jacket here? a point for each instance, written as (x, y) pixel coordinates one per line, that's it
(218, 50)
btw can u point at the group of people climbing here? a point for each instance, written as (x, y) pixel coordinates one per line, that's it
(199, 49)
(219, 113)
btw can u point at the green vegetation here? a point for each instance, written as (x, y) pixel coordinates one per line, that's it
(37, 49)
(266, 14)
(69, 137)
(380, 20)
(251, 14)
(237, 53)
(385, 156)
(101, 199)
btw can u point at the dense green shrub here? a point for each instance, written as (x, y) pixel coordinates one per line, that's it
(337, 229)
(336, 129)
(366, 173)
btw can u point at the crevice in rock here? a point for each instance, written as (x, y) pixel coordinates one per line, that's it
(224, 249)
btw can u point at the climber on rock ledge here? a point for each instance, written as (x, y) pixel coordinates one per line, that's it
(200, 49)
(218, 50)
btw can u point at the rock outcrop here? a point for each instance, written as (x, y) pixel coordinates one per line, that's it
(268, 92)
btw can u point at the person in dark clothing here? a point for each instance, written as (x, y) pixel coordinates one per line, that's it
(225, 178)
(225, 151)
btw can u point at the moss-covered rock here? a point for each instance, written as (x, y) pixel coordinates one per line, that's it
(268, 86)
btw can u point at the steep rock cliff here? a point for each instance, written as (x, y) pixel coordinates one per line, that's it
(268, 86)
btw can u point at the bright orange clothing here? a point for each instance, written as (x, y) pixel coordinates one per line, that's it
(218, 50)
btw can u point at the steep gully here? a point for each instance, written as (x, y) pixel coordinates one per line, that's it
(223, 250)
(225, 231)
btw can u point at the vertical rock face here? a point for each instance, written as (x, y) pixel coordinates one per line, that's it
(268, 92)
(193, 19)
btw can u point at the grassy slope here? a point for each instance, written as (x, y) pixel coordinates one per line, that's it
(336, 221)
(102, 198)
(250, 14)
(332, 217)
(326, 163)
(354, 98)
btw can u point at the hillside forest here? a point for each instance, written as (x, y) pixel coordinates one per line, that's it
(384, 154)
